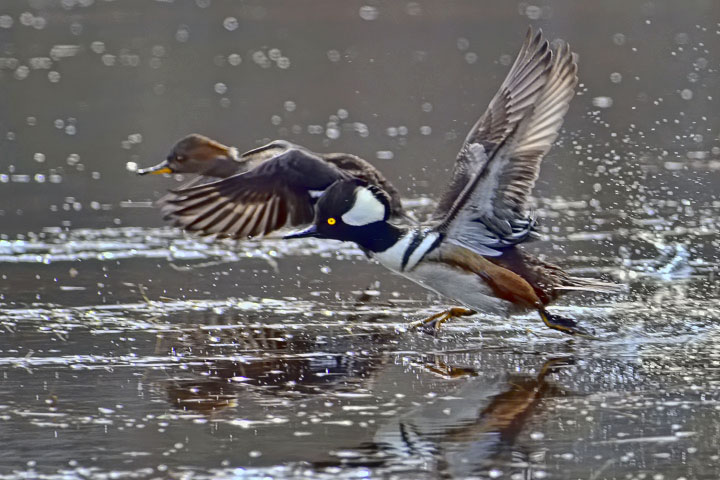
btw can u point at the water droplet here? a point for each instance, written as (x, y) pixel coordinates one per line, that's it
(686, 94)
(6, 21)
(39, 23)
(230, 24)
(333, 55)
(682, 38)
(413, 9)
(619, 39)
(615, 77)
(183, 34)
(289, 106)
(22, 72)
(369, 13)
(220, 88)
(234, 59)
(533, 12)
(332, 133)
(39, 157)
(602, 102)
(97, 47)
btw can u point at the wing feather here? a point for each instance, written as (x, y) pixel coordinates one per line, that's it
(491, 209)
(516, 94)
(273, 195)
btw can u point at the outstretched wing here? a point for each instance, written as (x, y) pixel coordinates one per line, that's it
(516, 94)
(258, 155)
(504, 155)
(277, 193)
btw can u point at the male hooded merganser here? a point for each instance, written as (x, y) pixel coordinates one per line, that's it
(469, 252)
(271, 187)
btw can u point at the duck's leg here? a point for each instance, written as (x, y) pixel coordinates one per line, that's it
(433, 322)
(564, 324)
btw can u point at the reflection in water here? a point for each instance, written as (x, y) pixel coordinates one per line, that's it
(468, 432)
(221, 365)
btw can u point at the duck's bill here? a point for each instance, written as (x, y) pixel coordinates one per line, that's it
(156, 170)
(309, 232)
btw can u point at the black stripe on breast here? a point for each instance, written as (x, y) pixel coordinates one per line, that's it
(418, 237)
(432, 247)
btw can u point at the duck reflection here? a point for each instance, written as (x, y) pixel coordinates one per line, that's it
(226, 362)
(469, 432)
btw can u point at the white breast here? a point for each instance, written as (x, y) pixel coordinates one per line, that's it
(392, 257)
(458, 285)
(461, 286)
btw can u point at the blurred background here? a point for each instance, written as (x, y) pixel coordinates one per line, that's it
(92, 87)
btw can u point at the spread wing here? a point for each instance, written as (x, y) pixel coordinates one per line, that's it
(501, 158)
(275, 194)
(506, 108)
(258, 155)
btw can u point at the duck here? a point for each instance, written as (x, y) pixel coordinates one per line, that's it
(260, 191)
(200, 155)
(470, 251)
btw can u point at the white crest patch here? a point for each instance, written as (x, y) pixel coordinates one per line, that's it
(367, 209)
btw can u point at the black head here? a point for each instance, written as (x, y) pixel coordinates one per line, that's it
(351, 210)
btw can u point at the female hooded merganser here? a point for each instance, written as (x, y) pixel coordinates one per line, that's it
(201, 155)
(469, 252)
(261, 191)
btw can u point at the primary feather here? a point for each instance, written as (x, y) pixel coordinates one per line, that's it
(500, 160)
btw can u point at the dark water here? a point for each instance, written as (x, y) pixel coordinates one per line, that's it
(132, 351)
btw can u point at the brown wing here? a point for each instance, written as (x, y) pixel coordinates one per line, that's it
(491, 212)
(515, 95)
(275, 194)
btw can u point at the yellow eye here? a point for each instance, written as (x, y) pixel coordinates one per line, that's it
(331, 221)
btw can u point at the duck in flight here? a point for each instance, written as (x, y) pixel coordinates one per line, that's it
(470, 251)
(258, 192)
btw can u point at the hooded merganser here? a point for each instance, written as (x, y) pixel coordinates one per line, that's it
(201, 155)
(273, 186)
(469, 252)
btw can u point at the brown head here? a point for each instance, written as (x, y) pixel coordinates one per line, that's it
(199, 154)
